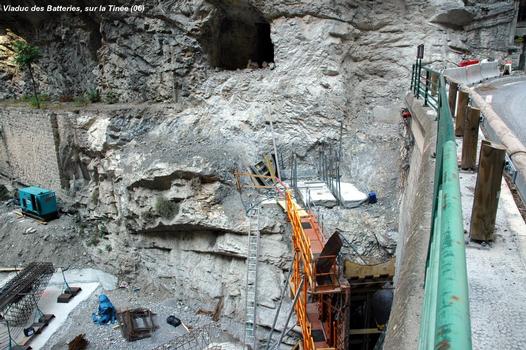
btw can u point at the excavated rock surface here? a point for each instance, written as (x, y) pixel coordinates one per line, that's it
(333, 62)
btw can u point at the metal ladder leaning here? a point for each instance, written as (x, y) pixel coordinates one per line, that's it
(250, 339)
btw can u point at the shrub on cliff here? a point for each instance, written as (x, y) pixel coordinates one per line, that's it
(25, 56)
(165, 208)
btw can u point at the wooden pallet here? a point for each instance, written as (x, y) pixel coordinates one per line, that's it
(21, 214)
(68, 295)
(39, 327)
(359, 272)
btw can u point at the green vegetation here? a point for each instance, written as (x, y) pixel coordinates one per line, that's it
(111, 97)
(25, 56)
(165, 208)
(93, 95)
(97, 234)
(95, 196)
(94, 240)
(81, 101)
(35, 102)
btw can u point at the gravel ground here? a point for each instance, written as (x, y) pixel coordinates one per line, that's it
(110, 337)
(28, 240)
(496, 275)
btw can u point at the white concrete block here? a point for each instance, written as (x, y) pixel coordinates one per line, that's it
(318, 193)
(351, 196)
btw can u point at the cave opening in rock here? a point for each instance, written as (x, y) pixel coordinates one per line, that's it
(522, 11)
(240, 39)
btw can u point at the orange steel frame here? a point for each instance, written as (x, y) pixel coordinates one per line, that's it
(321, 308)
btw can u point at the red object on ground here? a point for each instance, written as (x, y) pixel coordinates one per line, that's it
(406, 114)
(465, 63)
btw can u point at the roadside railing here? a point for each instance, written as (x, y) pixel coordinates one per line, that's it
(445, 321)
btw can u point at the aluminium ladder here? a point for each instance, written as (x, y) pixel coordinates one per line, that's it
(252, 277)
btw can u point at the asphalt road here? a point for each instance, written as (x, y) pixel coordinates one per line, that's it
(508, 99)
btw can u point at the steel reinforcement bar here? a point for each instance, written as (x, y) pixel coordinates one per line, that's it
(445, 322)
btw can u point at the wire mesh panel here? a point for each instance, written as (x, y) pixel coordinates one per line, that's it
(19, 298)
(20, 295)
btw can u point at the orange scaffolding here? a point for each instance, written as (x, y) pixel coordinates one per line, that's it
(321, 309)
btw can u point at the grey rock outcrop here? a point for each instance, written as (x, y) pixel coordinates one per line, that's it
(152, 178)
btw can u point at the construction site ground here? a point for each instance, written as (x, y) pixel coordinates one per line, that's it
(496, 272)
(79, 320)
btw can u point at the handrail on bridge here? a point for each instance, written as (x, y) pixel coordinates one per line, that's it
(445, 321)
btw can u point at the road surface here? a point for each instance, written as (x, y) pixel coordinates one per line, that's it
(508, 99)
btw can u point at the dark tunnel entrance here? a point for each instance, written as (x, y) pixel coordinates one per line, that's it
(265, 47)
(238, 38)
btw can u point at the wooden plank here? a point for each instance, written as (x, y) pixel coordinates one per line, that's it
(452, 99)
(302, 212)
(471, 138)
(11, 269)
(23, 215)
(462, 109)
(364, 331)
(353, 270)
(487, 191)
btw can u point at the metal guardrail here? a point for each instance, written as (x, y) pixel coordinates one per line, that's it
(445, 321)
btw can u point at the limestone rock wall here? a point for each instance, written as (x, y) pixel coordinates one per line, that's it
(152, 178)
(28, 148)
(166, 52)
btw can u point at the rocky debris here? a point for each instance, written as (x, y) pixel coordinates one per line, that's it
(30, 230)
(108, 336)
(5, 193)
(57, 242)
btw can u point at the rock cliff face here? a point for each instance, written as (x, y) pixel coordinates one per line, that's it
(155, 179)
(166, 52)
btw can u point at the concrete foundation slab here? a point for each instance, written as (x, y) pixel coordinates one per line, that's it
(351, 196)
(106, 280)
(48, 304)
(317, 192)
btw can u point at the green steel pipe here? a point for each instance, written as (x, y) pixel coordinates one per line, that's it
(427, 324)
(445, 322)
(453, 325)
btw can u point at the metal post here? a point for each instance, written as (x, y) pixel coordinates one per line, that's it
(453, 91)
(275, 149)
(418, 77)
(11, 341)
(283, 291)
(412, 77)
(296, 297)
(64, 277)
(427, 87)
